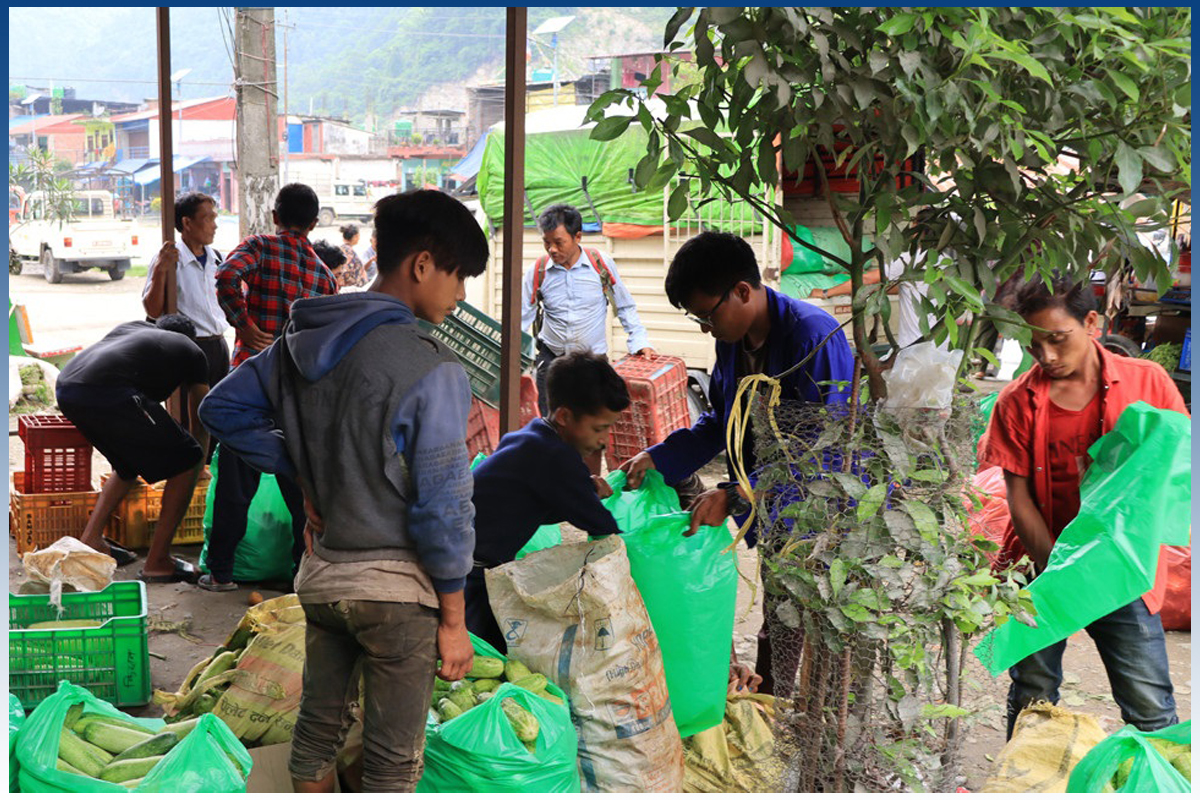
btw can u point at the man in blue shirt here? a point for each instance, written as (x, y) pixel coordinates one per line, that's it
(715, 278)
(565, 299)
(537, 476)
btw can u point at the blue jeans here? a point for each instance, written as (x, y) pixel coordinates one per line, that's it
(1134, 651)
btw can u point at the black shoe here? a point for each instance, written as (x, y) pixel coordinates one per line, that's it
(122, 556)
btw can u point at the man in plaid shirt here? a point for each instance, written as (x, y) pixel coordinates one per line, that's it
(276, 270)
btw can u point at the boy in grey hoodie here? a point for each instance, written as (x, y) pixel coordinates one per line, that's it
(369, 414)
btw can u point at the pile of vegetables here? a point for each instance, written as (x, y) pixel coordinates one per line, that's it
(114, 749)
(1166, 355)
(203, 686)
(1178, 754)
(486, 676)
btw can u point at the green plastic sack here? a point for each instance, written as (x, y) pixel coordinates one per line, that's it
(16, 718)
(543, 537)
(1149, 772)
(479, 752)
(203, 762)
(689, 586)
(265, 553)
(1135, 497)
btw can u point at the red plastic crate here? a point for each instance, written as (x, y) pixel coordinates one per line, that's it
(57, 456)
(483, 423)
(658, 404)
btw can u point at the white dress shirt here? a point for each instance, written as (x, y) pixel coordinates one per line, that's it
(197, 298)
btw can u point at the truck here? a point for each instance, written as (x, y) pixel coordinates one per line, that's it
(94, 237)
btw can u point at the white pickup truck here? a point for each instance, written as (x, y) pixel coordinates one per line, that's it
(93, 238)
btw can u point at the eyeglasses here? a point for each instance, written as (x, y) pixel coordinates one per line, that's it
(705, 320)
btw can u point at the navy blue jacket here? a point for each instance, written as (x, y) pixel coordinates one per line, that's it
(797, 328)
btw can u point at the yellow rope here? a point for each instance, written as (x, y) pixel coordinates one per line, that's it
(735, 436)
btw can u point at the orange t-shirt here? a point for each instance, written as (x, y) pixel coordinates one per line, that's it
(1018, 437)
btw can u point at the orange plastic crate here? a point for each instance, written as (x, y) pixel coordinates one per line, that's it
(57, 456)
(658, 404)
(41, 519)
(133, 522)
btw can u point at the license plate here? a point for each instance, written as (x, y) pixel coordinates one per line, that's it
(102, 244)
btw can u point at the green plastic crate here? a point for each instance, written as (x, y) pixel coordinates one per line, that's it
(111, 661)
(475, 339)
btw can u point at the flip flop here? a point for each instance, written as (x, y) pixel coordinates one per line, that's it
(121, 555)
(184, 572)
(213, 585)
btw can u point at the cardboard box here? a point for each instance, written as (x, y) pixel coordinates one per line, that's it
(269, 773)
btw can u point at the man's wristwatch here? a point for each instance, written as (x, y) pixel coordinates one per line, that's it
(737, 504)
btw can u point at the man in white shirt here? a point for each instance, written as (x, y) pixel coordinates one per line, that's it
(192, 266)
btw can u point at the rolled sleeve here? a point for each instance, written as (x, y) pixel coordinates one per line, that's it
(1009, 437)
(431, 429)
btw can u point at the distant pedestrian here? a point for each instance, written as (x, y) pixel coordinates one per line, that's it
(352, 272)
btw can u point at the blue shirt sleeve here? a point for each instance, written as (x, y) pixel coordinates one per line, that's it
(688, 449)
(430, 429)
(238, 412)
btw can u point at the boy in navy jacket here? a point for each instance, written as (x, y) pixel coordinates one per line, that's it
(537, 476)
(715, 278)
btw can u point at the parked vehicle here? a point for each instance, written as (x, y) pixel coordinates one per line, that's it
(93, 238)
(348, 200)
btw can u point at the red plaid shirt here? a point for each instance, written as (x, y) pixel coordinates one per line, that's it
(277, 270)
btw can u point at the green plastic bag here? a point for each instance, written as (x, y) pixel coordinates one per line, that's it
(689, 586)
(1149, 771)
(479, 752)
(543, 537)
(16, 718)
(209, 759)
(265, 552)
(1135, 497)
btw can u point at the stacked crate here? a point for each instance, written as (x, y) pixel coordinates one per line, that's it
(53, 497)
(658, 405)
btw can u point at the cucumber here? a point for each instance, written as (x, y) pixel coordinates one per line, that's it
(112, 738)
(534, 683)
(63, 766)
(73, 715)
(158, 745)
(205, 704)
(485, 667)
(92, 716)
(218, 665)
(514, 670)
(448, 709)
(181, 729)
(545, 695)
(72, 750)
(486, 685)
(133, 784)
(127, 770)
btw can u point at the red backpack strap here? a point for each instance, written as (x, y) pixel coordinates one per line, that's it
(539, 274)
(607, 281)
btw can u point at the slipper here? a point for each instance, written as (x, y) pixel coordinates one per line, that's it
(213, 585)
(184, 571)
(121, 555)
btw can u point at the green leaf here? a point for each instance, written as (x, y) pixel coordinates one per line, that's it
(898, 25)
(680, 16)
(710, 139)
(1129, 168)
(1125, 84)
(837, 575)
(678, 201)
(610, 128)
(923, 517)
(1030, 64)
(871, 501)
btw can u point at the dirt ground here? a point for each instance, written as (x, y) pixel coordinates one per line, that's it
(187, 622)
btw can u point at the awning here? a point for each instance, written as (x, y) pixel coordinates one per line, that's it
(129, 165)
(469, 166)
(151, 174)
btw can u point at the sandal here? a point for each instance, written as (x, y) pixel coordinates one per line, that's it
(124, 557)
(184, 572)
(213, 585)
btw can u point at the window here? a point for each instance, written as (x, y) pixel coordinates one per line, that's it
(341, 190)
(97, 207)
(360, 191)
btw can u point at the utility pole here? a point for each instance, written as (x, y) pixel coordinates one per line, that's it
(287, 131)
(257, 119)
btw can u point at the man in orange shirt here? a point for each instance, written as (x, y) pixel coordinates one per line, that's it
(1041, 428)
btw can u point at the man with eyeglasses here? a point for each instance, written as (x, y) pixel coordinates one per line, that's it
(715, 278)
(1041, 429)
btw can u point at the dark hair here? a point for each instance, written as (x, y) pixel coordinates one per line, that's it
(177, 323)
(585, 383)
(297, 206)
(711, 263)
(429, 219)
(561, 214)
(187, 204)
(1068, 293)
(332, 256)
(349, 231)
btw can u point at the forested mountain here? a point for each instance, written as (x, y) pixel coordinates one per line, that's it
(340, 61)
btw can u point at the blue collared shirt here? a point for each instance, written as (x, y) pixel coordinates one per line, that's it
(576, 313)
